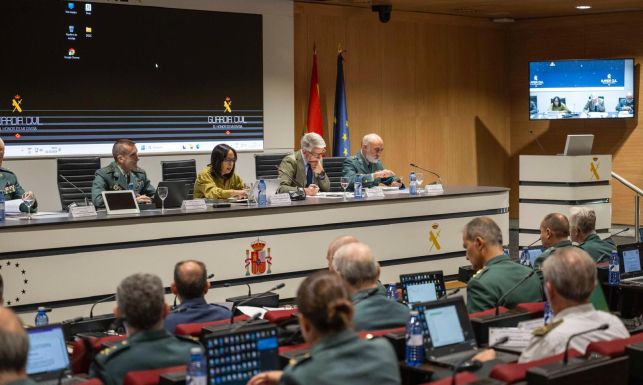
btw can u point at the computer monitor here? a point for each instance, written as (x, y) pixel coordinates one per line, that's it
(532, 253)
(235, 354)
(422, 287)
(630, 260)
(177, 192)
(48, 355)
(120, 202)
(579, 144)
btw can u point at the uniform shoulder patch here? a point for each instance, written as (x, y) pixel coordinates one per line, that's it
(295, 361)
(114, 350)
(543, 330)
(479, 273)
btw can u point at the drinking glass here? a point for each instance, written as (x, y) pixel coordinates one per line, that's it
(419, 178)
(247, 188)
(343, 181)
(162, 193)
(28, 199)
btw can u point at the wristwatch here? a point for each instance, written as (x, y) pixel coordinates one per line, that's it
(322, 175)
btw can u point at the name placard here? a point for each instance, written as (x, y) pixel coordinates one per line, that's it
(280, 200)
(375, 192)
(82, 211)
(434, 189)
(194, 205)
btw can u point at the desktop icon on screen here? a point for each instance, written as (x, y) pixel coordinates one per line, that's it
(88, 8)
(71, 52)
(71, 5)
(71, 29)
(88, 29)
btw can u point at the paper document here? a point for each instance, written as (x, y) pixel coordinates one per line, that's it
(12, 206)
(252, 310)
(518, 338)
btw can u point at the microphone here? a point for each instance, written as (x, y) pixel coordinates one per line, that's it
(618, 232)
(566, 356)
(74, 186)
(91, 310)
(429, 171)
(475, 364)
(454, 291)
(267, 292)
(298, 195)
(532, 243)
(526, 277)
(255, 317)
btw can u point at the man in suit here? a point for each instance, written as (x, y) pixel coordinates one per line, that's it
(582, 228)
(140, 301)
(594, 104)
(367, 163)
(356, 264)
(122, 173)
(190, 286)
(10, 187)
(497, 273)
(305, 167)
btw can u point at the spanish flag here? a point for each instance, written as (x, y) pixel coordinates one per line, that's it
(314, 123)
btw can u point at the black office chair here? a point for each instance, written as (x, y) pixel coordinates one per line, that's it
(180, 170)
(266, 165)
(79, 175)
(333, 167)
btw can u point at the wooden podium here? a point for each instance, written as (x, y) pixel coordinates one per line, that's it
(556, 183)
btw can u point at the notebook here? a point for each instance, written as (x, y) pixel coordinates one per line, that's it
(48, 358)
(422, 287)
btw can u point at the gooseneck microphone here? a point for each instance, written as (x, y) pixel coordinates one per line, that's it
(91, 310)
(514, 287)
(566, 356)
(475, 364)
(236, 305)
(533, 243)
(300, 193)
(74, 186)
(424, 169)
(255, 317)
(454, 291)
(618, 232)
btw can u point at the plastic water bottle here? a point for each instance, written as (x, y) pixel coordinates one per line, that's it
(358, 186)
(197, 372)
(391, 291)
(413, 184)
(548, 314)
(41, 317)
(414, 341)
(262, 201)
(1, 206)
(614, 269)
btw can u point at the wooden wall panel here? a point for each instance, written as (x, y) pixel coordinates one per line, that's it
(421, 81)
(596, 36)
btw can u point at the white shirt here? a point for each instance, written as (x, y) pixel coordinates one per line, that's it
(575, 319)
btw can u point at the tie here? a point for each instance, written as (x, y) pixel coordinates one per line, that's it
(309, 175)
(595, 107)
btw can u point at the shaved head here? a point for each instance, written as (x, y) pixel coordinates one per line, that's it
(14, 345)
(190, 279)
(553, 229)
(335, 245)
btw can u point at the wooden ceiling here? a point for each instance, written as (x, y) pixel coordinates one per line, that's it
(516, 9)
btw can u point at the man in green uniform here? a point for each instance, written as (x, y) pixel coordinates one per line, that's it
(10, 186)
(305, 167)
(356, 264)
(582, 229)
(140, 301)
(554, 234)
(122, 172)
(497, 273)
(367, 163)
(335, 245)
(14, 348)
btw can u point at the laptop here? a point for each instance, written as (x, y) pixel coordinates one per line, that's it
(48, 358)
(422, 287)
(579, 144)
(532, 253)
(629, 256)
(177, 192)
(120, 202)
(235, 355)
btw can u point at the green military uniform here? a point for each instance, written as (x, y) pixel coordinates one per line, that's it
(211, 187)
(495, 279)
(538, 262)
(597, 248)
(374, 311)
(625, 105)
(150, 349)
(112, 178)
(12, 189)
(293, 166)
(357, 164)
(344, 358)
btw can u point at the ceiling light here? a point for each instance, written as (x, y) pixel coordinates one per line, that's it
(583, 6)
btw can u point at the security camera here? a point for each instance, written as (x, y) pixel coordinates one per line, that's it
(383, 11)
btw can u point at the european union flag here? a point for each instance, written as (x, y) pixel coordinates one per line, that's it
(341, 138)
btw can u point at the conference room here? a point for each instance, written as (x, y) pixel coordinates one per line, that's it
(445, 85)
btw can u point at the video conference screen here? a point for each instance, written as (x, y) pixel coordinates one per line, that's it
(76, 76)
(573, 89)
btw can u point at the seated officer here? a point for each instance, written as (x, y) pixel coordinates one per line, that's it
(140, 303)
(14, 348)
(335, 245)
(122, 172)
(554, 234)
(190, 286)
(497, 273)
(337, 354)
(305, 167)
(582, 226)
(10, 187)
(356, 264)
(570, 278)
(367, 162)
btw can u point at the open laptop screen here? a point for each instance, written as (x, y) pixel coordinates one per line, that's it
(47, 350)
(444, 326)
(631, 261)
(422, 287)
